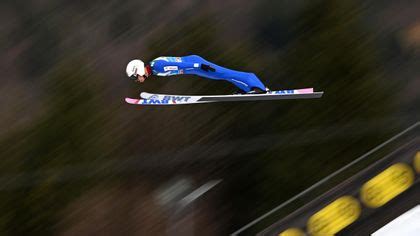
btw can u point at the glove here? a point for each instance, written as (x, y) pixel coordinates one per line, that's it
(207, 68)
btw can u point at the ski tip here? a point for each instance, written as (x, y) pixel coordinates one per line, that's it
(132, 100)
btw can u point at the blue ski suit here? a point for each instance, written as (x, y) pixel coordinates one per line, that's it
(192, 65)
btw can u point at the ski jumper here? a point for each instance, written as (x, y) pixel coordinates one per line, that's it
(167, 66)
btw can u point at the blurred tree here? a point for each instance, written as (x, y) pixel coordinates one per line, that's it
(42, 51)
(71, 133)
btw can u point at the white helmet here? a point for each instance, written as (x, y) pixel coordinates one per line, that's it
(134, 68)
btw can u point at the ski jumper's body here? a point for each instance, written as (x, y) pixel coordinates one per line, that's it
(195, 65)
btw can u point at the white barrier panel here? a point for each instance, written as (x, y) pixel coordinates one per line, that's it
(407, 224)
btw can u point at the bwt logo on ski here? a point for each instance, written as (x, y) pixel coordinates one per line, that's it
(177, 98)
(284, 92)
(154, 99)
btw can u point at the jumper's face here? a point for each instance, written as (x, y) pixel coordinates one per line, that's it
(140, 79)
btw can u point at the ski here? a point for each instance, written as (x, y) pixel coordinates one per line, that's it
(168, 99)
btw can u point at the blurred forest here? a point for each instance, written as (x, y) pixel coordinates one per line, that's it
(77, 160)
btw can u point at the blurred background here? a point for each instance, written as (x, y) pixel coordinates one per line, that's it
(77, 160)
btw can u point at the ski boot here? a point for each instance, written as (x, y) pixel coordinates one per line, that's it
(239, 92)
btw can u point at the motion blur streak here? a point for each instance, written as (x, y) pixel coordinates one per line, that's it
(77, 160)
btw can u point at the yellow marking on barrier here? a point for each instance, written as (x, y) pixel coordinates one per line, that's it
(386, 185)
(334, 217)
(292, 232)
(417, 162)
